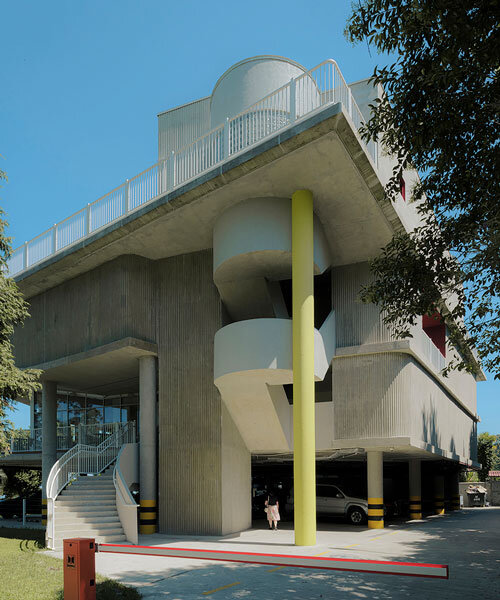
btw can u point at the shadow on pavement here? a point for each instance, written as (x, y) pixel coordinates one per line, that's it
(469, 541)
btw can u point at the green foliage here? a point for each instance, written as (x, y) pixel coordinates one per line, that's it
(495, 461)
(25, 572)
(22, 482)
(485, 454)
(469, 476)
(440, 116)
(14, 382)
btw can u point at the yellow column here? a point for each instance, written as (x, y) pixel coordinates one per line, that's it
(304, 454)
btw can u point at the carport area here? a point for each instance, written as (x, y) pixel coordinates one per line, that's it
(347, 473)
(467, 540)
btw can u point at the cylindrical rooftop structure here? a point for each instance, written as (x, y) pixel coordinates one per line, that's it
(247, 82)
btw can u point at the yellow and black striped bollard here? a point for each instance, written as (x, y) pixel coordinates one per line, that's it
(415, 507)
(376, 513)
(147, 522)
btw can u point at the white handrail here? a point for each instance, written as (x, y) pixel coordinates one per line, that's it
(83, 458)
(313, 90)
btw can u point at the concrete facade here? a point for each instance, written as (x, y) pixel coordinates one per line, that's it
(195, 289)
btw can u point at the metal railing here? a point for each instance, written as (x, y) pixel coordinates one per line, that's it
(67, 437)
(83, 459)
(313, 90)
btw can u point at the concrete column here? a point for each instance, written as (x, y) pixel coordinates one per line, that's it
(147, 438)
(415, 479)
(49, 437)
(304, 452)
(375, 473)
(454, 491)
(439, 494)
(32, 413)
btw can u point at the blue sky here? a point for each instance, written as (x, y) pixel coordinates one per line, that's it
(82, 83)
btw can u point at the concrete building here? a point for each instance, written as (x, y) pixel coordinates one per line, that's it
(168, 303)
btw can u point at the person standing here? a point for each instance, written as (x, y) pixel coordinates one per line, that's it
(273, 515)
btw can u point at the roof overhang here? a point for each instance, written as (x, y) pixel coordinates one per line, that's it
(109, 368)
(322, 153)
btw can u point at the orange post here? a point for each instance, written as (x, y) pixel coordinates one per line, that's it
(79, 569)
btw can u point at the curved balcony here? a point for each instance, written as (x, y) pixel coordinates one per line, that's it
(252, 359)
(254, 239)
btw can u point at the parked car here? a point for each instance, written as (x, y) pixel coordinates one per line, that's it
(12, 508)
(331, 500)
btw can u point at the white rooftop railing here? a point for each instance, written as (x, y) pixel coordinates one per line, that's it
(313, 90)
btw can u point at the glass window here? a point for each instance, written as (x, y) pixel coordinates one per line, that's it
(327, 491)
(112, 410)
(76, 410)
(62, 410)
(336, 493)
(95, 411)
(130, 408)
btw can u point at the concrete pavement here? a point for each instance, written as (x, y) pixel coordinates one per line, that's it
(468, 541)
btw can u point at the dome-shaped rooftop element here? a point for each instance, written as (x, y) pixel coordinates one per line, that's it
(247, 82)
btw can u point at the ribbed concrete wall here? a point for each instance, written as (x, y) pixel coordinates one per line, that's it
(236, 477)
(356, 323)
(193, 468)
(387, 395)
(103, 305)
(204, 483)
(436, 419)
(370, 396)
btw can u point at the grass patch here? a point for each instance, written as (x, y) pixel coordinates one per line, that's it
(27, 573)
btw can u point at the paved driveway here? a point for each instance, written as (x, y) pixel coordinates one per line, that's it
(468, 541)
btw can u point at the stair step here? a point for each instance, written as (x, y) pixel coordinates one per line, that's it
(93, 480)
(101, 509)
(94, 485)
(79, 531)
(89, 516)
(90, 500)
(71, 518)
(84, 508)
(97, 494)
(102, 479)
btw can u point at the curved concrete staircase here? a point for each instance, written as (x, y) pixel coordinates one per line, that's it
(87, 508)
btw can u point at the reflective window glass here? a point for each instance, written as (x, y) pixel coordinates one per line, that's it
(112, 410)
(62, 410)
(95, 411)
(76, 410)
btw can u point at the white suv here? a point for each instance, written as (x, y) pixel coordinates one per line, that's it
(331, 500)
